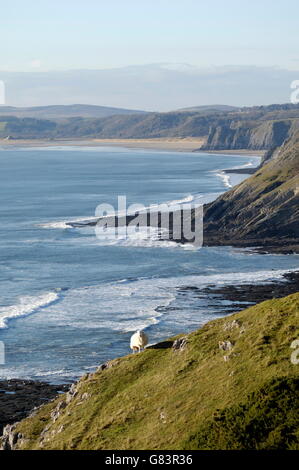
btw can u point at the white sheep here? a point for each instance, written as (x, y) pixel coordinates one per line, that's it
(138, 341)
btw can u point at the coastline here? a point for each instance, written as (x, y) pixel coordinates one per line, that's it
(27, 397)
(20, 397)
(175, 144)
(229, 176)
(188, 144)
(258, 153)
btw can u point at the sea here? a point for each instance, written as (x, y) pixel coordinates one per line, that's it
(70, 300)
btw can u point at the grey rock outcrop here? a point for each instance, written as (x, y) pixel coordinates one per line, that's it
(179, 344)
(225, 345)
(10, 438)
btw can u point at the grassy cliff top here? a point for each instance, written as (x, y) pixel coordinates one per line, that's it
(241, 394)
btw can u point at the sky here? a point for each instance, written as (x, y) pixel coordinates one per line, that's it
(95, 34)
(148, 54)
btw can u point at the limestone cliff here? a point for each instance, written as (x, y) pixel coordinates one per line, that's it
(255, 135)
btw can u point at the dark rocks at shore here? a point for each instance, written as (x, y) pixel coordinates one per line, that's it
(19, 397)
(242, 171)
(263, 247)
(173, 224)
(244, 295)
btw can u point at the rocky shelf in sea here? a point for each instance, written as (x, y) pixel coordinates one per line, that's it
(244, 295)
(19, 397)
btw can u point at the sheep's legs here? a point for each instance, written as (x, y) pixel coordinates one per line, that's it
(137, 349)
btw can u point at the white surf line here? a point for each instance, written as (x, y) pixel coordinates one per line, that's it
(222, 173)
(226, 176)
(66, 223)
(26, 306)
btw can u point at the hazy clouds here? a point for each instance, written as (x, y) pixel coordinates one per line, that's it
(160, 87)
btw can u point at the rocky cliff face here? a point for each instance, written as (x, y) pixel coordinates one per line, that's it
(250, 135)
(264, 209)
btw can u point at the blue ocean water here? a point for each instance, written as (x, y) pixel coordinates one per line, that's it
(69, 301)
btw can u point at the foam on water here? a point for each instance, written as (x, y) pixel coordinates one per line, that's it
(115, 286)
(225, 178)
(145, 237)
(126, 305)
(195, 199)
(91, 324)
(64, 224)
(123, 306)
(26, 306)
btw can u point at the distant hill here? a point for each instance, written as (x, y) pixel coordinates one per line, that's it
(65, 111)
(256, 128)
(222, 108)
(153, 87)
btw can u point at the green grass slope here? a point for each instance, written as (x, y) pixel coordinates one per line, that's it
(197, 397)
(65, 111)
(266, 420)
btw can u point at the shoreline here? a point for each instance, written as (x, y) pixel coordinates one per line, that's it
(20, 397)
(126, 219)
(175, 144)
(188, 144)
(242, 171)
(249, 152)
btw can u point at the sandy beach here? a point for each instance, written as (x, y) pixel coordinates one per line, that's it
(176, 145)
(188, 144)
(258, 153)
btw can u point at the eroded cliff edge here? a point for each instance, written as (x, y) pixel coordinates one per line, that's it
(262, 211)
